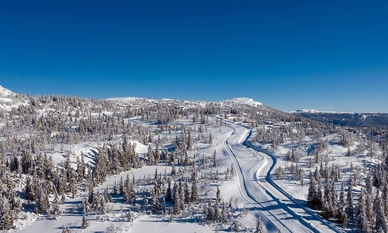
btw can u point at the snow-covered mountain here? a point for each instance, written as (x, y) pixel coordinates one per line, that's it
(8, 99)
(132, 100)
(310, 111)
(345, 118)
(4, 92)
(242, 100)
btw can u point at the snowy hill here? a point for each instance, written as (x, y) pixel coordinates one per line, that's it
(8, 99)
(310, 111)
(136, 100)
(346, 118)
(242, 100)
(138, 164)
(4, 92)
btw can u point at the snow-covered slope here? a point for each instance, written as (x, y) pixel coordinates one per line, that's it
(345, 118)
(136, 100)
(242, 100)
(4, 92)
(8, 99)
(310, 111)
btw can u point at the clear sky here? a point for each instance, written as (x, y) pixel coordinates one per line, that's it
(326, 55)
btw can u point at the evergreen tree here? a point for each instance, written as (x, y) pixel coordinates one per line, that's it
(194, 189)
(42, 202)
(145, 203)
(350, 200)
(66, 230)
(223, 213)
(217, 214)
(214, 158)
(218, 194)
(150, 156)
(259, 226)
(102, 203)
(121, 186)
(6, 218)
(29, 190)
(326, 209)
(381, 222)
(155, 204)
(168, 195)
(319, 198)
(173, 171)
(56, 211)
(186, 192)
(107, 195)
(177, 204)
(209, 213)
(312, 195)
(85, 222)
(369, 207)
(361, 222)
(115, 188)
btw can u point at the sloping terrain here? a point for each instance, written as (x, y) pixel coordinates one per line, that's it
(135, 164)
(9, 100)
(348, 119)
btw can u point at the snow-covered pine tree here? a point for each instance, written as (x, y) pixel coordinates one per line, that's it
(361, 221)
(6, 218)
(168, 195)
(381, 222)
(155, 204)
(223, 213)
(186, 192)
(107, 195)
(194, 188)
(66, 229)
(259, 226)
(85, 222)
(218, 194)
(350, 200)
(209, 214)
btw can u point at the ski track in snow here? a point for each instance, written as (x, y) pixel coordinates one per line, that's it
(261, 192)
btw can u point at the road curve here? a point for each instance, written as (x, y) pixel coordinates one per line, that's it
(315, 219)
(257, 186)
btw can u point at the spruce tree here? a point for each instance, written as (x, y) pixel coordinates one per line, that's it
(85, 222)
(168, 195)
(361, 222)
(6, 218)
(218, 194)
(194, 190)
(381, 222)
(223, 213)
(259, 226)
(350, 200)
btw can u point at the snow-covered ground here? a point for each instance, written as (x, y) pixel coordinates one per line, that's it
(8, 99)
(232, 136)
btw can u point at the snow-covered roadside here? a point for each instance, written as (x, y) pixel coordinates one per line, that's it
(309, 220)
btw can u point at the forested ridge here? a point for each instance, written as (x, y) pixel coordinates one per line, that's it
(39, 170)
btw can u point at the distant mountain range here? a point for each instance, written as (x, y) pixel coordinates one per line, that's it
(9, 100)
(346, 118)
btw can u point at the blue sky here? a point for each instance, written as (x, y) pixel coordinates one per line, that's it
(327, 55)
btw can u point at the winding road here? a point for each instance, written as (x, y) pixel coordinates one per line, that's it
(279, 209)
